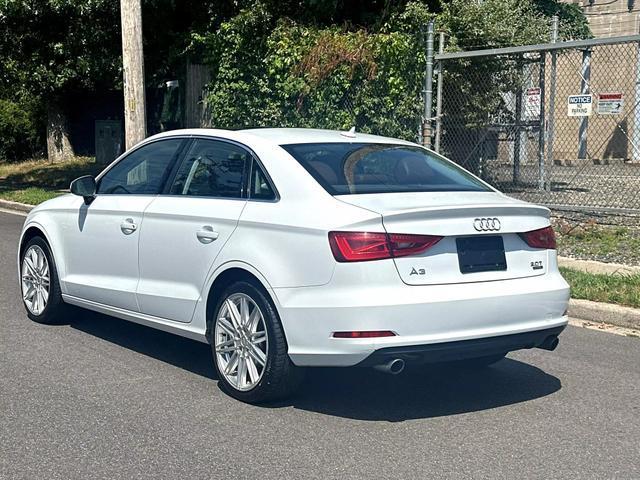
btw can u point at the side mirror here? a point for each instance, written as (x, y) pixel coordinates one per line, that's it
(84, 187)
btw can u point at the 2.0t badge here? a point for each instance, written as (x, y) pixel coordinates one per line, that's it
(486, 224)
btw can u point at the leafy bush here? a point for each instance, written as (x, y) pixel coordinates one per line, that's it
(270, 70)
(19, 138)
(280, 73)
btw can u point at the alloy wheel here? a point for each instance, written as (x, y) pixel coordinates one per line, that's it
(36, 280)
(241, 342)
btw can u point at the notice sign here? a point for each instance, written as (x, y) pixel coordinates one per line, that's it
(610, 103)
(580, 105)
(532, 103)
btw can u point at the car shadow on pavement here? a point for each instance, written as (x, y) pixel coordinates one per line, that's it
(181, 352)
(355, 393)
(424, 391)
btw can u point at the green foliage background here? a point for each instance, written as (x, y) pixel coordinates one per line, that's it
(306, 63)
(20, 135)
(276, 72)
(270, 70)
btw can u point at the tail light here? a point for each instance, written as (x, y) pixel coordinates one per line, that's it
(362, 246)
(541, 238)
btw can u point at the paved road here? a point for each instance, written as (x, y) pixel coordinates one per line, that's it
(103, 398)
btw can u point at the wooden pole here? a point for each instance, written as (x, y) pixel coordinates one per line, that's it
(135, 118)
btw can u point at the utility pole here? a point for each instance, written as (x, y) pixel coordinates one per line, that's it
(135, 118)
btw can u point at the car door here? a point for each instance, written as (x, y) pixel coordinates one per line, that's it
(185, 228)
(101, 239)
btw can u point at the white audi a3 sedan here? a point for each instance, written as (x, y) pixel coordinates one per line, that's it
(291, 248)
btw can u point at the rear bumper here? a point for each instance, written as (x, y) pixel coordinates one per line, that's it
(464, 349)
(419, 315)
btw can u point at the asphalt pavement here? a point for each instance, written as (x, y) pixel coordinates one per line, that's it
(103, 398)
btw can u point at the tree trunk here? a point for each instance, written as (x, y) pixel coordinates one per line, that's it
(59, 146)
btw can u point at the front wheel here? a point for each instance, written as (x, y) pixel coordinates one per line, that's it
(249, 346)
(40, 288)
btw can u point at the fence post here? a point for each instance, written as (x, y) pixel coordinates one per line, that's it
(439, 95)
(584, 90)
(517, 138)
(428, 89)
(635, 138)
(542, 133)
(520, 151)
(552, 100)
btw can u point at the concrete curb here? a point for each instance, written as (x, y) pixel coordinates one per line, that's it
(592, 266)
(605, 313)
(20, 207)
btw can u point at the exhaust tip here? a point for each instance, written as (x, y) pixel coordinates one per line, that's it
(550, 343)
(393, 367)
(396, 366)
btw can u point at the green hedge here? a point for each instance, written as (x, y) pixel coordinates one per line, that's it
(270, 70)
(20, 135)
(288, 75)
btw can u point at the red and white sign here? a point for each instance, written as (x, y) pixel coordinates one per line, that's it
(611, 103)
(532, 103)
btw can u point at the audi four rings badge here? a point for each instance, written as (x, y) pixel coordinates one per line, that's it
(486, 224)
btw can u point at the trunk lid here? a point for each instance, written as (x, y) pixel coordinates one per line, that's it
(468, 246)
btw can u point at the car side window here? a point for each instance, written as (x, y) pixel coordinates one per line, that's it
(212, 168)
(142, 172)
(260, 188)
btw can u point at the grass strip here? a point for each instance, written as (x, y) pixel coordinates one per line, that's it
(620, 289)
(29, 195)
(35, 181)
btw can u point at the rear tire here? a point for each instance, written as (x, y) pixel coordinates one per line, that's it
(40, 288)
(249, 346)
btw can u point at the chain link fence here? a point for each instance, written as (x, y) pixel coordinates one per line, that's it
(555, 124)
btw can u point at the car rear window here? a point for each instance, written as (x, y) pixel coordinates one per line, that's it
(357, 168)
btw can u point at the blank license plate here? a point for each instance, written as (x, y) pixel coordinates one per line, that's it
(481, 254)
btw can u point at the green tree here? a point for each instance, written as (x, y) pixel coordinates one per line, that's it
(272, 70)
(50, 49)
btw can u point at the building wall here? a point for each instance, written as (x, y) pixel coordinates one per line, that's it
(613, 69)
(611, 18)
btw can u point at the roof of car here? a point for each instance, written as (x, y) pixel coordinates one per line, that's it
(286, 136)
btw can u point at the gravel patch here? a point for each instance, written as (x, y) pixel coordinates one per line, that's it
(600, 237)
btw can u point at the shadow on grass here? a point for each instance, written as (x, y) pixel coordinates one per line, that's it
(35, 182)
(356, 393)
(51, 176)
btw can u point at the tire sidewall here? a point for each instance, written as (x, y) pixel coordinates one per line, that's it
(54, 300)
(270, 317)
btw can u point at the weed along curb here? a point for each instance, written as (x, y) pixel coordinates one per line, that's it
(20, 207)
(605, 313)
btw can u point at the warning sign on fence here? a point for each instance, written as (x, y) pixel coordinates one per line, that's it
(610, 103)
(580, 105)
(532, 103)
